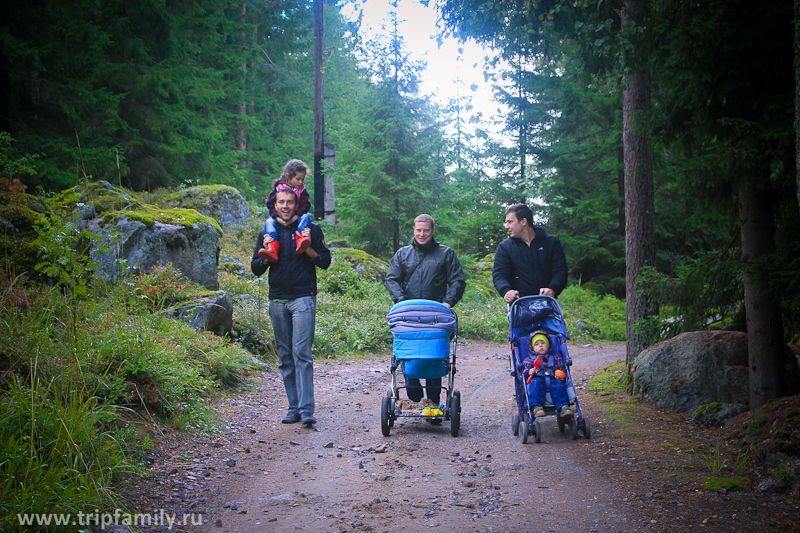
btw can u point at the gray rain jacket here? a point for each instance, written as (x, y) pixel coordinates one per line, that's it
(426, 272)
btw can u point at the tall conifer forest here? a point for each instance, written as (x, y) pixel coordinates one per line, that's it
(170, 93)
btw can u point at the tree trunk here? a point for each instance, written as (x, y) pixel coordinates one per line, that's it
(621, 191)
(241, 107)
(797, 95)
(639, 195)
(396, 228)
(764, 320)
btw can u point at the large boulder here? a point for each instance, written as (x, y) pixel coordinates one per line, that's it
(694, 369)
(209, 313)
(368, 266)
(134, 237)
(192, 250)
(220, 202)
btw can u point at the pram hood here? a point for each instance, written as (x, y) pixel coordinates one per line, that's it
(421, 315)
(531, 313)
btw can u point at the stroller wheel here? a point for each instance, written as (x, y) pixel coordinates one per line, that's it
(515, 424)
(573, 428)
(392, 410)
(455, 413)
(385, 415)
(537, 431)
(587, 431)
(561, 423)
(523, 432)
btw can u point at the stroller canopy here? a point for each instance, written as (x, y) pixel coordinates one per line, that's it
(421, 315)
(535, 312)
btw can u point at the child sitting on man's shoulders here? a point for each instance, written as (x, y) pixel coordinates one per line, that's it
(292, 177)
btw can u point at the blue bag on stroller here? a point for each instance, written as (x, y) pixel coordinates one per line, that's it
(526, 316)
(425, 333)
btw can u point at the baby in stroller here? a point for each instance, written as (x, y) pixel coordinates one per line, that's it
(546, 372)
(540, 365)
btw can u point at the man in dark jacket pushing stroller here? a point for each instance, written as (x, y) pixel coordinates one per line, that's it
(530, 262)
(428, 270)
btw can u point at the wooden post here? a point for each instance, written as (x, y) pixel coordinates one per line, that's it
(330, 195)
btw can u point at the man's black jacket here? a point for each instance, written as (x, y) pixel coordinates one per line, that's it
(526, 268)
(432, 267)
(294, 275)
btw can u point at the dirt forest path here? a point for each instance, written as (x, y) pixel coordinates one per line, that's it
(343, 475)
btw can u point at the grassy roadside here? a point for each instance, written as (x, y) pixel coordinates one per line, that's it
(667, 446)
(680, 477)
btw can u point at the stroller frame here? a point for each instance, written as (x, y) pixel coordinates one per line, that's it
(526, 315)
(452, 397)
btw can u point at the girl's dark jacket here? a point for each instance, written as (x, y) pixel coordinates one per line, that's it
(426, 272)
(294, 275)
(527, 269)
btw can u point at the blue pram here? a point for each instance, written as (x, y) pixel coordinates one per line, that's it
(525, 316)
(425, 335)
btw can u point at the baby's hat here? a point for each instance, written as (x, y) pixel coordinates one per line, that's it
(540, 336)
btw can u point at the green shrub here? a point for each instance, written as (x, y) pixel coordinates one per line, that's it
(596, 288)
(482, 315)
(592, 317)
(347, 325)
(163, 287)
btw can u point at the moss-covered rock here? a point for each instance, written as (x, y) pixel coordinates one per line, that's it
(221, 202)
(149, 215)
(365, 264)
(336, 244)
(136, 236)
(101, 200)
(92, 200)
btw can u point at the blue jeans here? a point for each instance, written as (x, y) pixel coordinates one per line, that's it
(293, 326)
(271, 229)
(558, 392)
(432, 386)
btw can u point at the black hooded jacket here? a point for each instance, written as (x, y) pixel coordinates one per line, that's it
(527, 269)
(426, 272)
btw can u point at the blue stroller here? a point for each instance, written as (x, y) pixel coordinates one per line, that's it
(423, 331)
(526, 315)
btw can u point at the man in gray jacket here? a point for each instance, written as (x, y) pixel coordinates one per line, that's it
(428, 270)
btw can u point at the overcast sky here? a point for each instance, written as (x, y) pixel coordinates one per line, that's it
(448, 64)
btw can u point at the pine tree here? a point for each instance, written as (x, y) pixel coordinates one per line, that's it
(388, 166)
